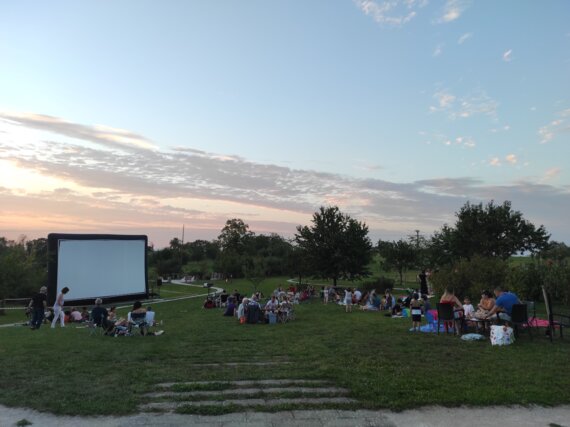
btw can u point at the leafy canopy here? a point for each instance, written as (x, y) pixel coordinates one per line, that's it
(336, 245)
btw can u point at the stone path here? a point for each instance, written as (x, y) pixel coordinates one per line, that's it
(516, 416)
(254, 395)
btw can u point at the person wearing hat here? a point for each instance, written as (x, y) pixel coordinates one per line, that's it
(38, 305)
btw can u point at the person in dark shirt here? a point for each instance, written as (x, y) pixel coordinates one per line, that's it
(38, 305)
(99, 315)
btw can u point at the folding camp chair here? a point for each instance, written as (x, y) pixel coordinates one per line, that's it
(555, 320)
(519, 316)
(138, 320)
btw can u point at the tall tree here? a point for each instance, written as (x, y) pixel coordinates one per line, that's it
(337, 246)
(234, 236)
(489, 231)
(400, 256)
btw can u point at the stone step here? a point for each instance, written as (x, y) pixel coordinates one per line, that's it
(170, 406)
(244, 383)
(248, 391)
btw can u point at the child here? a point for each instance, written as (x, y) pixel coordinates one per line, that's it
(468, 308)
(348, 300)
(416, 309)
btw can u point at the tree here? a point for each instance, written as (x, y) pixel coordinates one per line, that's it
(234, 236)
(489, 231)
(400, 256)
(336, 245)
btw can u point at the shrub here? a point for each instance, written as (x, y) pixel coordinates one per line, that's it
(469, 277)
(381, 285)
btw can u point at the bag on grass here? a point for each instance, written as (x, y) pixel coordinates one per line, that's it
(502, 335)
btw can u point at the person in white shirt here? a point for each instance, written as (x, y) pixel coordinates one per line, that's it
(357, 296)
(149, 318)
(468, 308)
(348, 300)
(272, 305)
(58, 308)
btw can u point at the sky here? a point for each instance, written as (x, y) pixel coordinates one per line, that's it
(139, 117)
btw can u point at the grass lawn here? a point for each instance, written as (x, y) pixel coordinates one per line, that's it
(69, 371)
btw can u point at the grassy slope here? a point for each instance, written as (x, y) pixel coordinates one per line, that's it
(70, 372)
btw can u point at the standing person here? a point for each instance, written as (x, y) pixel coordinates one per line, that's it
(348, 300)
(422, 277)
(38, 305)
(326, 295)
(58, 308)
(416, 309)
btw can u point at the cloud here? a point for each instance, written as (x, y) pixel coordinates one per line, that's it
(452, 10)
(508, 55)
(556, 127)
(444, 100)
(391, 12)
(103, 135)
(475, 103)
(155, 191)
(511, 158)
(438, 50)
(551, 174)
(495, 162)
(464, 38)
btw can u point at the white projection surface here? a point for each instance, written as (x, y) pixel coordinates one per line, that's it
(96, 268)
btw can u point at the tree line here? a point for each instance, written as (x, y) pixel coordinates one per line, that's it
(471, 254)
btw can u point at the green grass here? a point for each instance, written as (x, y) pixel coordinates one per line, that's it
(68, 371)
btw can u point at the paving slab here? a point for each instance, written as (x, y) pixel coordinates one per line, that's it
(244, 382)
(513, 416)
(246, 391)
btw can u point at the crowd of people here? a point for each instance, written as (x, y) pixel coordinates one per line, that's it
(415, 304)
(258, 309)
(99, 316)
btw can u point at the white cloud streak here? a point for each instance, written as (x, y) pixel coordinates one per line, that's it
(556, 127)
(452, 10)
(130, 188)
(508, 55)
(391, 12)
(464, 38)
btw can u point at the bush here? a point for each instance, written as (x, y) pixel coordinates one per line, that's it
(469, 277)
(381, 285)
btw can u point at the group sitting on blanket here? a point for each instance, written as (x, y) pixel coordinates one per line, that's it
(252, 310)
(139, 317)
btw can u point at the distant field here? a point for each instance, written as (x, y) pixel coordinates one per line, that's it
(374, 357)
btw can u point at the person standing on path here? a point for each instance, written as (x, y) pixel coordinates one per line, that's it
(58, 308)
(38, 305)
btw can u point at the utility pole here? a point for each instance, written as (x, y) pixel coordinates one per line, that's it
(417, 239)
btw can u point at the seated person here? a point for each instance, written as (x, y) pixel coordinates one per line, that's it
(503, 304)
(223, 298)
(242, 310)
(75, 315)
(100, 316)
(150, 316)
(143, 326)
(209, 303)
(230, 308)
(468, 308)
(272, 305)
(356, 297)
(372, 302)
(84, 314)
(485, 305)
(49, 315)
(112, 317)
